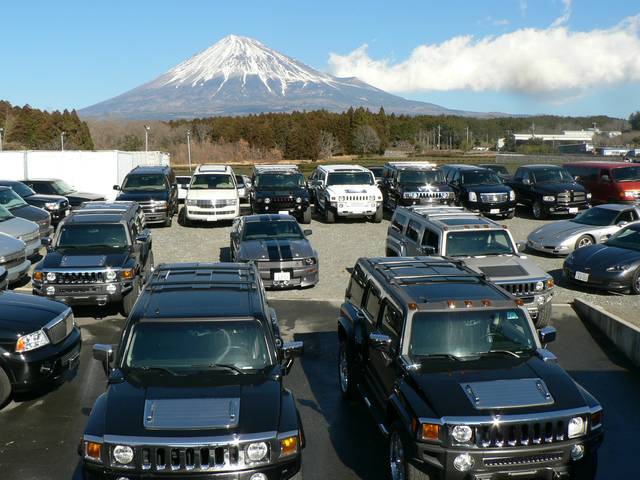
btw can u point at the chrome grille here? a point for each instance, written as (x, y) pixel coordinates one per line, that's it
(60, 330)
(434, 194)
(13, 260)
(218, 203)
(494, 197)
(283, 199)
(520, 434)
(79, 277)
(519, 289)
(523, 460)
(568, 197)
(30, 237)
(203, 459)
(354, 198)
(267, 264)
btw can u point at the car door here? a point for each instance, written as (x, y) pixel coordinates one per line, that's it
(383, 359)
(235, 236)
(412, 238)
(456, 185)
(430, 242)
(371, 310)
(173, 191)
(395, 234)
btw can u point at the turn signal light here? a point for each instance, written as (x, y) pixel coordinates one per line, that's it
(486, 303)
(596, 419)
(550, 283)
(519, 302)
(468, 303)
(413, 306)
(93, 451)
(288, 446)
(127, 274)
(430, 431)
(451, 304)
(37, 276)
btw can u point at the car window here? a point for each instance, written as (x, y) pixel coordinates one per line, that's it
(413, 231)
(392, 321)
(399, 221)
(372, 304)
(356, 286)
(208, 181)
(627, 216)
(430, 239)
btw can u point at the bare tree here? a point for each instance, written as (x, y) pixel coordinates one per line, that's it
(365, 139)
(329, 144)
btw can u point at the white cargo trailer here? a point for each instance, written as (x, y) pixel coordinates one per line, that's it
(87, 171)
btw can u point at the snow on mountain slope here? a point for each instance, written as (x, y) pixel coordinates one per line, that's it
(239, 76)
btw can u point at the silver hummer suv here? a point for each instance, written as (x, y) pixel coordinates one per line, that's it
(485, 246)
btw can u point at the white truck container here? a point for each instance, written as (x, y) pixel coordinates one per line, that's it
(88, 171)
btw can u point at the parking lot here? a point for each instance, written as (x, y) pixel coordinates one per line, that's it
(40, 432)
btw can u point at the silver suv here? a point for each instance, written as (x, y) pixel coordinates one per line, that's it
(484, 245)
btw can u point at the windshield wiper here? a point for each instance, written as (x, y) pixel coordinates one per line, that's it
(441, 355)
(504, 352)
(156, 369)
(220, 366)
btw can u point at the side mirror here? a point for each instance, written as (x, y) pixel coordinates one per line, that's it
(307, 232)
(116, 187)
(427, 250)
(379, 341)
(143, 237)
(234, 235)
(526, 181)
(290, 350)
(104, 354)
(547, 335)
(521, 246)
(622, 224)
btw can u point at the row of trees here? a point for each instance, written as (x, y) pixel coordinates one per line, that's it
(30, 128)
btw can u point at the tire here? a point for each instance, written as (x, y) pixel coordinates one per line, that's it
(538, 210)
(5, 388)
(347, 375)
(586, 468)
(584, 241)
(635, 283)
(306, 216)
(544, 315)
(377, 217)
(329, 216)
(510, 215)
(130, 298)
(169, 220)
(399, 468)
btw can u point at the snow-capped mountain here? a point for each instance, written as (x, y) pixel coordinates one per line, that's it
(238, 76)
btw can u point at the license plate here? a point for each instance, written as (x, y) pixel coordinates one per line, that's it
(494, 210)
(573, 210)
(583, 277)
(284, 212)
(281, 276)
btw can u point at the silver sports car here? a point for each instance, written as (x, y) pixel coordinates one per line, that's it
(588, 228)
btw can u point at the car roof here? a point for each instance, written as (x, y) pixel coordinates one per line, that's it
(411, 165)
(600, 164)
(202, 290)
(267, 217)
(618, 207)
(343, 168)
(150, 169)
(42, 179)
(451, 218)
(471, 167)
(213, 168)
(538, 166)
(9, 182)
(276, 168)
(91, 217)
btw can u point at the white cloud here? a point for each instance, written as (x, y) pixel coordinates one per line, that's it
(527, 61)
(566, 15)
(495, 22)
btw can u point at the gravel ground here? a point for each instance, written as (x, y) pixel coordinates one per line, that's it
(339, 246)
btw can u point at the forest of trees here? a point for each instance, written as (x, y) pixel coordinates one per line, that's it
(30, 128)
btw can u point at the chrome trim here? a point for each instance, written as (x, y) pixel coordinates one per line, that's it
(92, 438)
(290, 433)
(525, 417)
(58, 318)
(177, 442)
(545, 355)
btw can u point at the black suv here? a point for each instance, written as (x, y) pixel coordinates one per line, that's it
(39, 342)
(155, 188)
(57, 205)
(55, 186)
(280, 189)
(195, 389)
(414, 183)
(457, 376)
(100, 254)
(13, 202)
(481, 190)
(548, 189)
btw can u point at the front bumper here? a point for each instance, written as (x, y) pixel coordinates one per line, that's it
(212, 214)
(407, 202)
(295, 209)
(492, 208)
(84, 293)
(33, 247)
(613, 281)
(153, 215)
(550, 462)
(45, 365)
(358, 210)
(16, 273)
(564, 208)
(299, 276)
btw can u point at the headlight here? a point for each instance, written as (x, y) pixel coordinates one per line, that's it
(341, 198)
(160, 204)
(31, 341)
(473, 197)
(548, 198)
(372, 198)
(288, 446)
(51, 277)
(123, 454)
(588, 195)
(309, 261)
(267, 200)
(619, 268)
(51, 206)
(577, 427)
(462, 433)
(111, 275)
(512, 195)
(232, 202)
(299, 200)
(539, 286)
(257, 451)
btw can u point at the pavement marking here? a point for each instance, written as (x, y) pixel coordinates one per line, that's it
(565, 305)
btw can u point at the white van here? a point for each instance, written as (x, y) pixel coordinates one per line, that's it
(212, 194)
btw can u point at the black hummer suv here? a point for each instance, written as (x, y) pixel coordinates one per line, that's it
(195, 388)
(414, 183)
(100, 254)
(280, 189)
(457, 376)
(155, 188)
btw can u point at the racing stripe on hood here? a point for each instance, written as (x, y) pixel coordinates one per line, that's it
(273, 251)
(285, 251)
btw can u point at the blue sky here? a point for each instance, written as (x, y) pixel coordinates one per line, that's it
(72, 54)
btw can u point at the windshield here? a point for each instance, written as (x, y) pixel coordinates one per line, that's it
(377, 171)
(93, 236)
(147, 183)
(421, 177)
(5, 214)
(626, 238)
(10, 199)
(22, 190)
(552, 175)
(239, 181)
(626, 174)
(350, 178)
(183, 181)
(283, 229)
(61, 187)
(596, 216)
(210, 181)
(464, 334)
(481, 177)
(471, 243)
(279, 181)
(497, 168)
(196, 346)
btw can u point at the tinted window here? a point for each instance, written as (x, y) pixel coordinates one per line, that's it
(626, 238)
(480, 177)
(283, 229)
(431, 239)
(392, 320)
(239, 181)
(628, 216)
(413, 231)
(478, 242)
(60, 187)
(421, 177)
(356, 286)
(93, 236)
(279, 181)
(372, 306)
(552, 175)
(10, 199)
(207, 181)
(399, 221)
(595, 216)
(139, 182)
(626, 174)
(22, 190)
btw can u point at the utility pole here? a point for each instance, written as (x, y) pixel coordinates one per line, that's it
(189, 148)
(438, 137)
(1, 133)
(146, 137)
(62, 135)
(467, 135)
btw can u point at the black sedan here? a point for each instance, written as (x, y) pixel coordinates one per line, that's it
(56, 205)
(19, 208)
(614, 265)
(55, 186)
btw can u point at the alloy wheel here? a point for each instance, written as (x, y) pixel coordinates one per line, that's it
(343, 370)
(585, 242)
(396, 457)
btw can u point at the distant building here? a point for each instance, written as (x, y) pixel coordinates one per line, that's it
(395, 152)
(586, 148)
(612, 151)
(567, 136)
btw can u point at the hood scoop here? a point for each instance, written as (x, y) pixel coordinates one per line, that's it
(73, 261)
(504, 271)
(191, 413)
(524, 392)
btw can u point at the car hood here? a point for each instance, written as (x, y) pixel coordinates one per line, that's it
(258, 398)
(214, 194)
(560, 230)
(30, 212)
(17, 227)
(84, 197)
(275, 250)
(497, 188)
(553, 188)
(61, 259)
(600, 257)
(22, 313)
(10, 245)
(41, 199)
(354, 190)
(143, 196)
(452, 400)
(501, 268)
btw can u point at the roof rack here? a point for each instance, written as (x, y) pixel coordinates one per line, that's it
(435, 211)
(412, 164)
(211, 167)
(386, 269)
(274, 168)
(203, 274)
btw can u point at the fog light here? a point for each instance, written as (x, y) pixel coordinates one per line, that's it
(258, 476)
(51, 290)
(122, 478)
(463, 462)
(111, 288)
(123, 454)
(257, 451)
(577, 452)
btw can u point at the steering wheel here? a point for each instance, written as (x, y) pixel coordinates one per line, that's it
(227, 347)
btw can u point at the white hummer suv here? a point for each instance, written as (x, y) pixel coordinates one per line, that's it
(212, 194)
